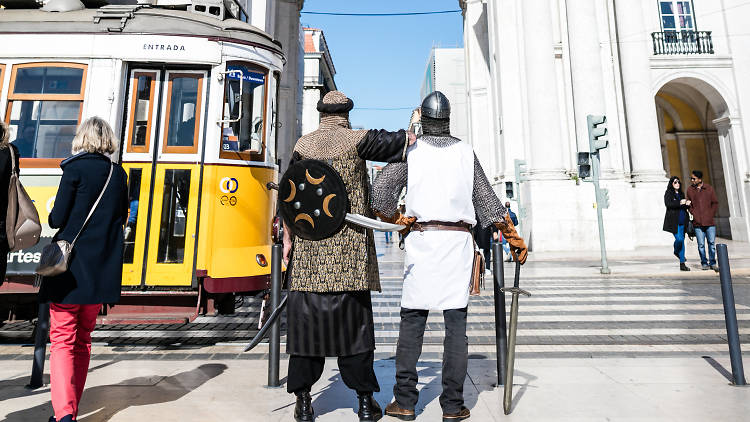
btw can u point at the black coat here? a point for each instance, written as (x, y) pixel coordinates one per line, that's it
(95, 270)
(672, 216)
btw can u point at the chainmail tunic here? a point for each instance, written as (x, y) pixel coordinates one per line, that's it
(393, 178)
(346, 261)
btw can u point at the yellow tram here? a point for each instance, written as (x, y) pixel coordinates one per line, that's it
(193, 96)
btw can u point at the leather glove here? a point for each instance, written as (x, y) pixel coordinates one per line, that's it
(517, 246)
(400, 219)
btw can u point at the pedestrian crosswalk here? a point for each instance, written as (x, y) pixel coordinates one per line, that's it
(591, 317)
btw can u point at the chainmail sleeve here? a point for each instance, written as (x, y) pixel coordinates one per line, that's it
(487, 206)
(387, 188)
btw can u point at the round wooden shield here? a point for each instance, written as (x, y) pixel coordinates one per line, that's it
(313, 200)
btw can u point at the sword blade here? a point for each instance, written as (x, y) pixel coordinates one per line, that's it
(508, 393)
(271, 319)
(371, 223)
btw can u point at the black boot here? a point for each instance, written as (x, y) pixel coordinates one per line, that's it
(684, 267)
(369, 410)
(303, 411)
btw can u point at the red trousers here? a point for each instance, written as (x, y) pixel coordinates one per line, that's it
(70, 352)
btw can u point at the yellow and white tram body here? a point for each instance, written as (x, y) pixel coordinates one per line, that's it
(193, 99)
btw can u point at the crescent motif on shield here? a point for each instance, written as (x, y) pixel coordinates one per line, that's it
(326, 200)
(313, 180)
(293, 192)
(305, 217)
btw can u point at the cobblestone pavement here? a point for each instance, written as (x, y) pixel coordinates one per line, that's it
(596, 317)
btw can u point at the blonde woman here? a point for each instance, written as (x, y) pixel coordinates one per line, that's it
(5, 169)
(95, 269)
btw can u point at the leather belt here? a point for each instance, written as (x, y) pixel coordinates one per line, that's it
(441, 225)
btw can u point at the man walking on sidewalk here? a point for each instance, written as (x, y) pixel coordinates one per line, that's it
(446, 192)
(703, 207)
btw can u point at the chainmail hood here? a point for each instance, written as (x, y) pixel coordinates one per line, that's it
(334, 136)
(437, 127)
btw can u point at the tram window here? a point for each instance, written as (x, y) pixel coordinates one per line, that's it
(44, 108)
(244, 112)
(173, 217)
(48, 80)
(183, 110)
(134, 193)
(140, 114)
(44, 129)
(2, 76)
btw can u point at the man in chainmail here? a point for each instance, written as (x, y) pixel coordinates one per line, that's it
(329, 310)
(446, 191)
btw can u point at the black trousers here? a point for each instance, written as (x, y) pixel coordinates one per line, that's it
(455, 358)
(356, 372)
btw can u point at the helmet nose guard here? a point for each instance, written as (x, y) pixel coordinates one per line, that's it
(436, 106)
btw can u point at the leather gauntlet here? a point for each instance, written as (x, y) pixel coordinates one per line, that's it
(517, 246)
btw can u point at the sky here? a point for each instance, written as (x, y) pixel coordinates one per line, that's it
(381, 61)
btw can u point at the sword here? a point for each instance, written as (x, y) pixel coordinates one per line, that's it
(370, 223)
(271, 319)
(515, 291)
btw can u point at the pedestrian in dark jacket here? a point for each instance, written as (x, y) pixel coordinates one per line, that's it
(704, 206)
(676, 217)
(5, 169)
(95, 269)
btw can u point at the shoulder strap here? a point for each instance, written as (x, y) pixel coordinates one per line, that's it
(12, 159)
(93, 207)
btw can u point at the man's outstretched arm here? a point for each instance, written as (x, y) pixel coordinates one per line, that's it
(382, 145)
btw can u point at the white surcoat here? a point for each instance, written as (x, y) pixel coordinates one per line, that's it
(437, 268)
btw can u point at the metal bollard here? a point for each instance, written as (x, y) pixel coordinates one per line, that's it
(730, 316)
(501, 332)
(40, 347)
(274, 339)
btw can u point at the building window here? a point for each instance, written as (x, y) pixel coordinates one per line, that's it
(676, 15)
(243, 129)
(44, 108)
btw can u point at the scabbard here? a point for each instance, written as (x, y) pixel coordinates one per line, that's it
(511, 360)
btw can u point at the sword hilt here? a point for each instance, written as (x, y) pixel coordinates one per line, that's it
(515, 291)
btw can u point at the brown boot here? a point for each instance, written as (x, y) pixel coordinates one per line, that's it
(396, 411)
(459, 416)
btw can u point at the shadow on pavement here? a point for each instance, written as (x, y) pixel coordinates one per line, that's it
(107, 400)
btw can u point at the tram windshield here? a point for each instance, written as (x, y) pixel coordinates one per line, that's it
(45, 106)
(244, 111)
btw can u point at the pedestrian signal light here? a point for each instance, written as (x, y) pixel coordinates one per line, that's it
(597, 132)
(509, 190)
(584, 165)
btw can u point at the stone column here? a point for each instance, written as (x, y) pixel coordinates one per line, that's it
(545, 134)
(586, 71)
(640, 107)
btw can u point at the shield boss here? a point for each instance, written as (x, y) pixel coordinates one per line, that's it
(313, 200)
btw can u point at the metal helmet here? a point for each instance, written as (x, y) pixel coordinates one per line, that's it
(436, 106)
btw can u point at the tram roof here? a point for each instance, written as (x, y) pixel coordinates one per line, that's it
(143, 21)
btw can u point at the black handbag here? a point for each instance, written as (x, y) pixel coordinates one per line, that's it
(690, 227)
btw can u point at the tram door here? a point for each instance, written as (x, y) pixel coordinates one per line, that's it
(161, 154)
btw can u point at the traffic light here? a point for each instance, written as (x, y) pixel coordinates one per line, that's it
(597, 132)
(603, 198)
(584, 165)
(509, 190)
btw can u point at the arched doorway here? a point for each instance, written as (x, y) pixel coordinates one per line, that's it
(688, 110)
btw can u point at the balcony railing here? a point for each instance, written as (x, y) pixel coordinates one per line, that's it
(682, 42)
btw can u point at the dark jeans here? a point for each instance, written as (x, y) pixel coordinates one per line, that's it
(356, 371)
(455, 358)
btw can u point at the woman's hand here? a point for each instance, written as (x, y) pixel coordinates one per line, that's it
(688, 202)
(683, 201)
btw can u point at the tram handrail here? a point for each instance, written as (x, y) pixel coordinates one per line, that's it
(239, 115)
